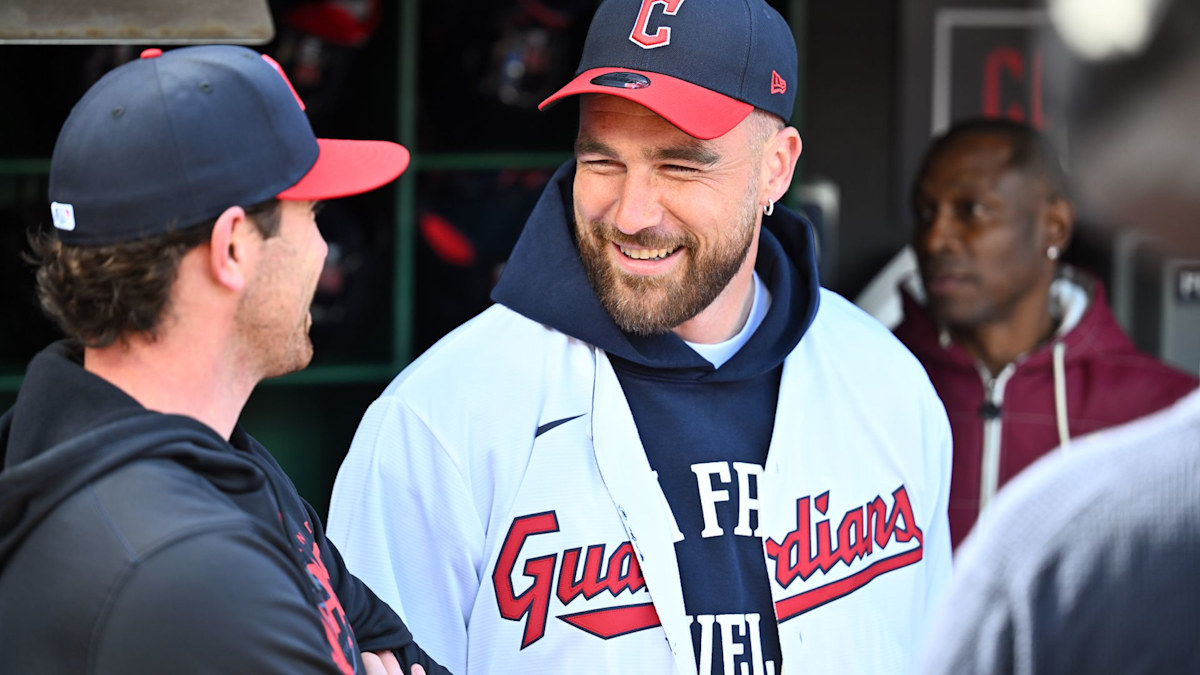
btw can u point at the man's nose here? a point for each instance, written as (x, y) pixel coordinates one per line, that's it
(638, 205)
(939, 232)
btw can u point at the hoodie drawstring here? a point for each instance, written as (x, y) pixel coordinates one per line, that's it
(1060, 394)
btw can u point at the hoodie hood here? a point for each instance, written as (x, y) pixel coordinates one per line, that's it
(1087, 327)
(51, 446)
(544, 280)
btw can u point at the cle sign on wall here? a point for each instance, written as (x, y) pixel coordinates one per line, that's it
(986, 62)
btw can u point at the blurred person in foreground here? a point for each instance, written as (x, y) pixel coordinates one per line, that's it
(666, 449)
(142, 530)
(1089, 562)
(1023, 350)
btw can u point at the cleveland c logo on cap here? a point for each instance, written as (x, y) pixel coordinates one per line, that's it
(641, 35)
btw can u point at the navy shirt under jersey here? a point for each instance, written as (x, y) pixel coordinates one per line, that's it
(708, 443)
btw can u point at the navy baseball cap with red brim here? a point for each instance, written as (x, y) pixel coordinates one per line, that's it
(699, 112)
(349, 167)
(702, 65)
(173, 139)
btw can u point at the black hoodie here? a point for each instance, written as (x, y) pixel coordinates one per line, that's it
(695, 421)
(137, 542)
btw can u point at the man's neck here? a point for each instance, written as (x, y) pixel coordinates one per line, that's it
(997, 344)
(170, 377)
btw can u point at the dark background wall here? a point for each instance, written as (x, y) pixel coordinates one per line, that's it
(849, 129)
(415, 266)
(418, 258)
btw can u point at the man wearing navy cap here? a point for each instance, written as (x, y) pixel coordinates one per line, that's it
(665, 449)
(141, 529)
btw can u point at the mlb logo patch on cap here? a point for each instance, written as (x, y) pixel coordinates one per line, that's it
(63, 215)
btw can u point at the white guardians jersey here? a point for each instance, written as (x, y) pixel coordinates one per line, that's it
(497, 495)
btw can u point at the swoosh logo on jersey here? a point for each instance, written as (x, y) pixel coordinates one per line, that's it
(556, 423)
(616, 621)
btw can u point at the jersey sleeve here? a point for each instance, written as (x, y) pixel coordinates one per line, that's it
(219, 601)
(404, 517)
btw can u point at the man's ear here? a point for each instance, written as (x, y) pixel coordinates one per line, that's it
(779, 163)
(229, 248)
(1059, 222)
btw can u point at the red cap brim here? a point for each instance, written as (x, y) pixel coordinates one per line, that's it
(695, 110)
(347, 167)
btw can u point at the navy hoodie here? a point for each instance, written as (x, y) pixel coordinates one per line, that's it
(137, 542)
(701, 426)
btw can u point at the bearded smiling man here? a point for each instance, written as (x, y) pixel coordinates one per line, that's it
(656, 280)
(621, 465)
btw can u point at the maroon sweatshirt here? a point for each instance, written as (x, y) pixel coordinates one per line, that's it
(1002, 424)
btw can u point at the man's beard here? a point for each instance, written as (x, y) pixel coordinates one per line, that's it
(652, 305)
(275, 335)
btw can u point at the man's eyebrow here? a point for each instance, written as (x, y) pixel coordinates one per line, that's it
(592, 146)
(693, 153)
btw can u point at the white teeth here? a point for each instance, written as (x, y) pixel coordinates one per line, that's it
(647, 254)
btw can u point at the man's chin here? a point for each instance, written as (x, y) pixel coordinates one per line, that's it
(643, 329)
(956, 319)
(299, 360)
(305, 357)
(637, 314)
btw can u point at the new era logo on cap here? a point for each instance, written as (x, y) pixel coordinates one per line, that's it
(778, 84)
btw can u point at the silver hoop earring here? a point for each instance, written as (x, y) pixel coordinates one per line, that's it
(1052, 253)
(769, 208)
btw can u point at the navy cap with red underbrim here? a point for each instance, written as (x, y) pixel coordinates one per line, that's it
(173, 139)
(702, 65)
